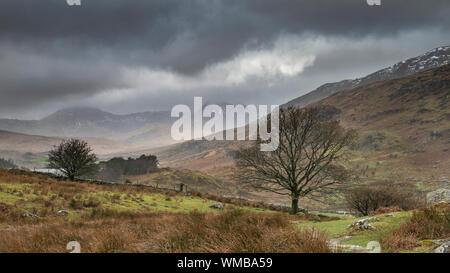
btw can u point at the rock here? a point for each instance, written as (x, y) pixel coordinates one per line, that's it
(390, 215)
(363, 224)
(302, 210)
(27, 215)
(435, 135)
(370, 142)
(353, 248)
(437, 196)
(216, 206)
(346, 238)
(343, 212)
(174, 207)
(279, 206)
(444, 179)
(62, 213)
(444, 248)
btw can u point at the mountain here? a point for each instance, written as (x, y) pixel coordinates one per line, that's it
(403, 126)
(139, 129)
(31, 150)
(11, 141)
(431, 59)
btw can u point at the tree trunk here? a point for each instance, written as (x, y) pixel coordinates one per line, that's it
(294, 206)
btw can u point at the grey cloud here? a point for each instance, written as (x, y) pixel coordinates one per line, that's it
(27, 79)
(138, 31)
(52, 52)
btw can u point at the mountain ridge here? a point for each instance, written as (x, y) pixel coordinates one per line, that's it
(403, 126)
(95, 123)
(431, 59)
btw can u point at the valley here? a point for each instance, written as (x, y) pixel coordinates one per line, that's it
(402, 120)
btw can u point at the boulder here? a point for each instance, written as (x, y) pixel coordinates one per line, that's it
(363, 224)
(343, 212)
(29, 215)
(216, 206)
(62, 213)
(444, 248)
(302, 210)
(437, 196)
(279, 206)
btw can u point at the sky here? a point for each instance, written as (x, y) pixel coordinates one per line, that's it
(127, 56)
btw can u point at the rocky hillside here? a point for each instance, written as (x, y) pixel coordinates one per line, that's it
(432, 59)
(404, 127)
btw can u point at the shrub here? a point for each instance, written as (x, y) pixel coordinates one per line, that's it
(383, 210)
(365, 200)
(7, 164)
(427, 223)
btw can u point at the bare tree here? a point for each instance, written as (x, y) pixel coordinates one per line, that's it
(73, 157)
(366, 199)
(308, 160)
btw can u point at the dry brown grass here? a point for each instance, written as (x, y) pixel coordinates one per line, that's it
(384, 210)
(425, 224)
(113, 231)
(99, 229)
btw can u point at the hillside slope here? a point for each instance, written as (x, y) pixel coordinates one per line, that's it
(431, 59)
(404, 127)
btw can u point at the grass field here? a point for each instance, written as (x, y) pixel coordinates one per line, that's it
(120, 218)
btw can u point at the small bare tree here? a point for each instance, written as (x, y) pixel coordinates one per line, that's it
(366, 199)
(73, 157)
(307, 161)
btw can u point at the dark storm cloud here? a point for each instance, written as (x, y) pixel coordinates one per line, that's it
(29, 79)
(138, 31)
(50, 51)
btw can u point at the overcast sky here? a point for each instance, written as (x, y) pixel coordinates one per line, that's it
(138, 55)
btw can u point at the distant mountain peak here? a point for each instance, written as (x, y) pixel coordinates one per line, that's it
(432, 59)
(78, 114)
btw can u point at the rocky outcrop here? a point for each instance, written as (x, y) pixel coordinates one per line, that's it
(216, 206)
(443, 248)
(29, 215)
(363, 224)
(62, 213)
(437, 196)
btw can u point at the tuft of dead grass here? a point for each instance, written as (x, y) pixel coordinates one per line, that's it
(424, 224)
(112, 231)
(384, 210)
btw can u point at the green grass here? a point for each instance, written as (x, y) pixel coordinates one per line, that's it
(27, 197)
(338, 228)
